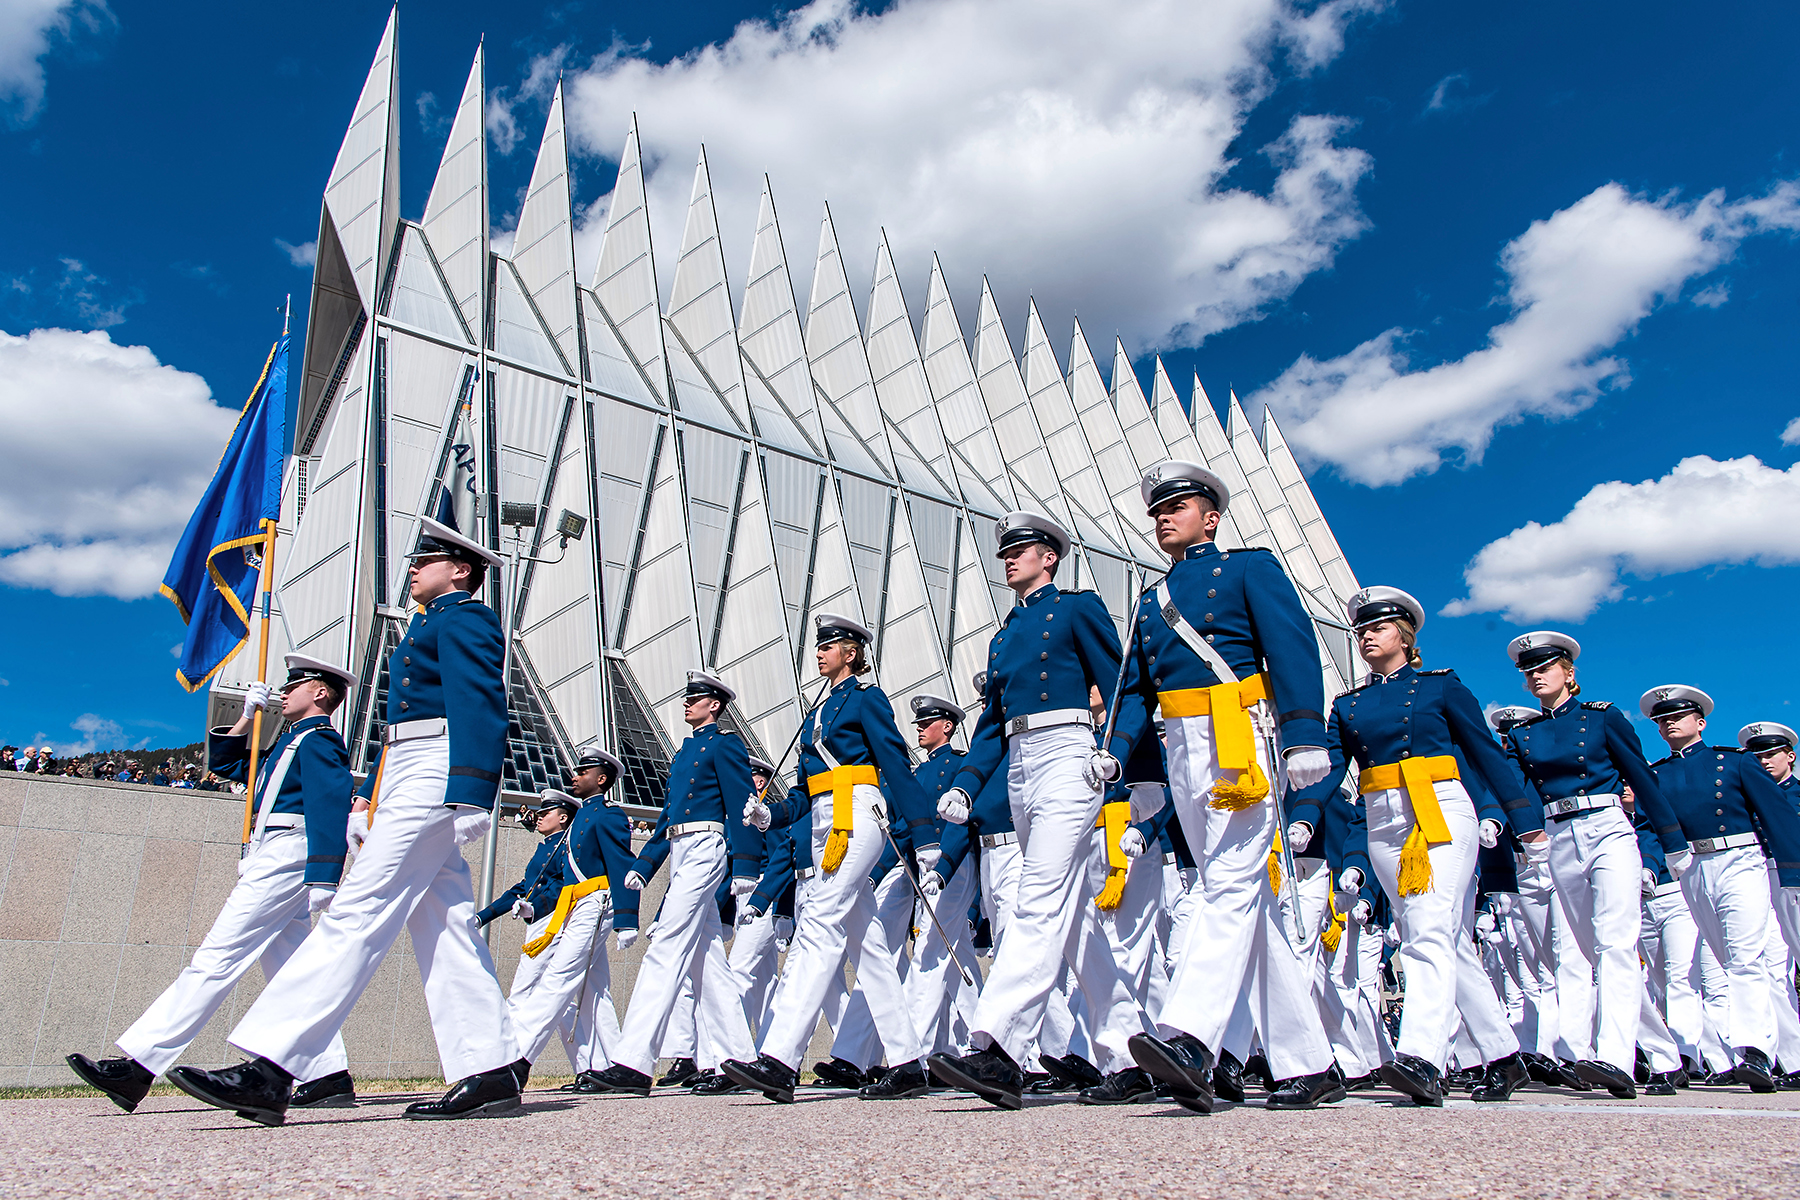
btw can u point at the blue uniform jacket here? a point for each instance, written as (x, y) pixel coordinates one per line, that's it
(542, 883)
(1050, 650)
(1717, 791)
(777, 882)
(1650, 847)
(1245, 606)
(990, 814)
(859, 729)
(708, 781)
(600, 844)
(1588, 748)
(317, 786)
(1790, 787)
(449, 665)
(1424, 714)
(936, 775)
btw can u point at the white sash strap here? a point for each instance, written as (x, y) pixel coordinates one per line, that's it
(271, 787)
(1190, 636)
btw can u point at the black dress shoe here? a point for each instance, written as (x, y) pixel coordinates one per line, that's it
(988, 1073)
(1307, 1091)
(1567, 1076)
(1789, 1082)
(1754, 1071)
(1660, 1083)
(1640, 1067)
(1256, 1068)
(1604, 1074)
(1502, 1078)
(574, 1085)
(1121, 1087)
(1183, 1062)
(521, 1070)
(839, 1073)
(681, 1073)
(1464, 1079)
(1043, 1083)
(623, 1080)
(488, 1094)
(1075, 1071)
(257, 1090)
(1690, 1068)
(336, 1090)
(1542, 1069)
(713, 1083)
(1413, 1076)
(770, 1076)
(1725, 1078)
(902, 1083)
(1362, 1083)
(1228, 1078)
(121, 1079)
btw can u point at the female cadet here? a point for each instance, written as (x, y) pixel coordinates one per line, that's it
(1577, 755)
(1406, 728)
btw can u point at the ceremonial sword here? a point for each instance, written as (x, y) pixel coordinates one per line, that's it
(930, 908)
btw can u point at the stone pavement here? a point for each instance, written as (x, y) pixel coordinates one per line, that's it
(1716, 1143)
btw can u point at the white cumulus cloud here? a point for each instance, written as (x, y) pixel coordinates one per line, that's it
(301, 254)
(1703, 513)
(1578, 284)
(1073, 150)
(28, 31)
(1791, 435)
(107, 451)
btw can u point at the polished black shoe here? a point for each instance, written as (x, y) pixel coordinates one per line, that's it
(1043, 1083)
(1690, 1070)
(1790, 1082)
(1129, 1086)
(904, 1082)
(1362, 1083)
(681, 1073)
(1604, 1074)
(336, 1090)
(1640, 1067)
(1724, 1078)
(1660, 1083)
(1567, 1076)
(624, 1081)
(1466, 1078)
(839, 1073)
(1755, 1071)
(1502, 1078)
(1307, 1091)
(713, 1083)
(521, 1070)
(257, 1090)
(1228, 1078)
(488, 1094)
(121, 1079)
(1542, 1069)
(1256, 1069)
(1074, 1070)
(1413, 1076)
(1183, 1063)
(988, 1073)
(574, 1085)
(770, 1076)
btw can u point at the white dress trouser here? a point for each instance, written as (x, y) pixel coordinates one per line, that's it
(1670, 946)
(264, 920)
(1782, 937)
(754, 959)
(689, 946)
(934, 983)
(1132, 927)
(1597, 868)
(1430, 922)
(590, 1026)
(878, 1012)
(409, 875)
(1483, 1016)
(1001, 869)
(578, 951)
(1350, 1000)
(1728, 893)
(1537, 918)
(681, 1037)
(1233, 943)
(1055, 922)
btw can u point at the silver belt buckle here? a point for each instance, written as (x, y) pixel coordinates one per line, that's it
(1704, 846)
(1018, 725)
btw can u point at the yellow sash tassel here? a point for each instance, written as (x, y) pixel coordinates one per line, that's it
(1416, 776)
(565, 904)
(1115, 818)
(841, 783)
(1275, 865)
(1234, 737)
(1334, 932)
(1415, 864)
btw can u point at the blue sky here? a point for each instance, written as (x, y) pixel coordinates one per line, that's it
(1479, 278)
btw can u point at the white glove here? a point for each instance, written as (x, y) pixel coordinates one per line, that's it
(356, 829)
(954, 806)
(757, 815)
(784, 932)
(1131, 842)
(1649, 888)
(257, 698)
(471, 823)
(928, 858)
(1351, 880)
(1361, 911)
(524, 910)
(318, 899)
(746, 914)
(741, 887)
(1101, 769)
(931, 883)
(627, 938)
(1299, 836)
(1391, 935)
(650, 933)
(1345, 901)
(1147, 799)
(1537, 852)
(1484, 923)
(1306, 766)
(1679, 862)
(634, 882)
(1490, 833)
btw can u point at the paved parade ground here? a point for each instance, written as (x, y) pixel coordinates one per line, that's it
(1717, 1143)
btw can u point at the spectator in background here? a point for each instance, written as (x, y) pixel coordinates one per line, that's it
(46, 764)
(124, 773)
(160, 776)
(28, 760)
(8, 758)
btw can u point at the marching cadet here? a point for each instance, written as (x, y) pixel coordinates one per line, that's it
(1414, 729)
(935, 988)
(753, 955)
(290, 871)
(1223, 648)
(533, 899)
(433, 791)
(703, 844)
(1534, 937)
(1053, 652)
(574, 991)
(1773, 745)
(1723, 801)
(848, 749)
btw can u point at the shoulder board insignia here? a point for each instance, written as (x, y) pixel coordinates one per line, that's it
(1439, 671)
(1076, 591)
(1597, 705)
(1359, 687)
(1532, 720)
(1665, 758)
(469, 600)
(1733, 749)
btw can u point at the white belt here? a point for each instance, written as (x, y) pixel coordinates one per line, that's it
(1665, 889)
(688, 827)
(424, 727)
(990, 840)
(1571, 805)
(280, 821)
(1714, 845)
(804, 874)
(1046, 720)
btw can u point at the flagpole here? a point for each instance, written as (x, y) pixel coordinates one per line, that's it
(262, 671)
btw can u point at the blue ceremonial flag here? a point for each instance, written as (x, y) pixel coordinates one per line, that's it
(212, 578)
